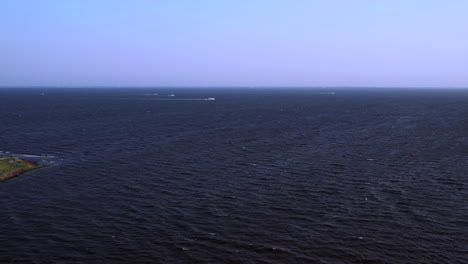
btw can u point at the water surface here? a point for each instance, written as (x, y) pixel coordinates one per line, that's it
(256, 176)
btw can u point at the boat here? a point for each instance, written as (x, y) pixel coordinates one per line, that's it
(210, 99)
(171, 95)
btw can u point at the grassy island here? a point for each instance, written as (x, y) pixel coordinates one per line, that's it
(11, 167)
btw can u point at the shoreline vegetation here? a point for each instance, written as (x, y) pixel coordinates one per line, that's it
(11, 167)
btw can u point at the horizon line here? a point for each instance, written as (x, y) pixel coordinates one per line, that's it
(228, 86)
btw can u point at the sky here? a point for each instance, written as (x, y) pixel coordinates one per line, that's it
(301, 43)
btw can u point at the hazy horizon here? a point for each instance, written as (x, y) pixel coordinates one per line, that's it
(261, 44)
(226, 87)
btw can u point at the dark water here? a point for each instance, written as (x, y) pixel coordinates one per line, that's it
(257, 176)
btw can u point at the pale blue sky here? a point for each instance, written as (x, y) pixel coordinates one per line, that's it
(412, 43)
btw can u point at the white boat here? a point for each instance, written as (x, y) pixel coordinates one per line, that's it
(171, 95)
(210, 99)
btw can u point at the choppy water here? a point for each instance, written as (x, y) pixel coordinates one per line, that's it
(257, 176)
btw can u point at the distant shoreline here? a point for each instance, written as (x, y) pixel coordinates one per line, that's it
(253, 87)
